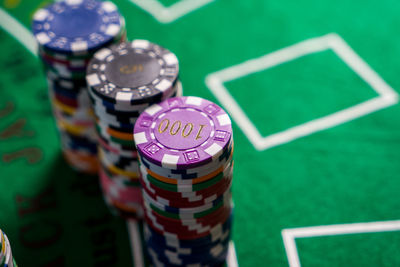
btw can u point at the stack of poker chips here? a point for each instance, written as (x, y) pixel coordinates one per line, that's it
(185, 148)
(123, 80)
(68, 34)
(6, 258)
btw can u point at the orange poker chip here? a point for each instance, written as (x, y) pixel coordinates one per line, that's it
(120, 135)
(194, 181)
(115, 133)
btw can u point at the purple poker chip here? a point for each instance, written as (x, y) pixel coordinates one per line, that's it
(182, 132)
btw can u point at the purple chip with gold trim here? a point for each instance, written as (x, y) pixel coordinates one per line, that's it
(182, 132)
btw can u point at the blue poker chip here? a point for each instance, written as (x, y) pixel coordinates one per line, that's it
(65, 83)
(120, 162)
(118, 125)
(169, 258)
(66, 93)
(69, 92)
(203, 250)
(123, 163)
(198, 242)
(127, 129)
(77, 27)
(78, 143)
(189, 261)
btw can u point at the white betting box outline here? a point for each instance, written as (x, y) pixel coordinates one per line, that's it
(168, 14)
(289, 235)
(386, 95)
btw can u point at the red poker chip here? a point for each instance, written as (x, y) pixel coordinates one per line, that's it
(49, 59)
(226, 209)
(218, 218)
(183, 199)
(181, 233)
(205, 193)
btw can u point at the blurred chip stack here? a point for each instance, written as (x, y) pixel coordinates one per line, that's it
(6, 257)
(123, 80)
(69, 32)
(185, 147)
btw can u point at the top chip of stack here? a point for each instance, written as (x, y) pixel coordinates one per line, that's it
(132, 76)
(77, 27)
(185, 147)
(68, 33)
(183, 133)
(123, 80)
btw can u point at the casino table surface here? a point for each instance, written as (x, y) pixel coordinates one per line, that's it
(311, 87)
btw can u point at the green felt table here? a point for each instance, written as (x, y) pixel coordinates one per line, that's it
(311, 87)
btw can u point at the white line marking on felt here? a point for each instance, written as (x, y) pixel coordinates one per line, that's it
(232, 258)
(168, 14)
(215, 82)
(136, 244)
(289, 235)
(18, 31)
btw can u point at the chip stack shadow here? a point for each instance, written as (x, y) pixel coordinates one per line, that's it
(68, 34)
(123, 80)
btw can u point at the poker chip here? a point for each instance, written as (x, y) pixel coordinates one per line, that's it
(204, 132)
(132, 73)
(6, 257)
(185, 150)
(77, 27)
(123, 80)
(209, 250)
(68, 33)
